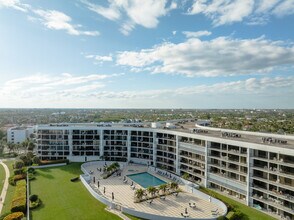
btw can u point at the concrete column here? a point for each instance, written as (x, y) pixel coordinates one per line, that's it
(154, 148)
(206, 163)
(70, 142)
(129, 145)
(177, 156)
(101, 145)
(249, 180)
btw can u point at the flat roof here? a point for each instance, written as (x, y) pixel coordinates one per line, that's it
(278, 140)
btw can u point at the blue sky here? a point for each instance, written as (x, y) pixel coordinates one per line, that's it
(147, 54)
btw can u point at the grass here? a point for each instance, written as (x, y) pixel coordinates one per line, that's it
(63, 199)
(249, 213)
(133, 217)
(2, 177)
(10, 190)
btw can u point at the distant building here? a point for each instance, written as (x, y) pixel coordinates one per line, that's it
(17, 135)
(155, 125)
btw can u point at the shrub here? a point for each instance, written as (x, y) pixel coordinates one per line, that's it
(19, 177)
(31, 170)
(33, 198)
(36, 160)
(48, 162)
(11, 181)
(14, 216)
(31, 176)
(19, 198)
(18, 164)
(74, 179)
(27, 161)
(18, 171)
(35, 204)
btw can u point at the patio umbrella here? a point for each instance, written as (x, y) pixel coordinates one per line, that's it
(112, 196)
(98, 184)
(104, 190)
(186, 210)
(94, 179)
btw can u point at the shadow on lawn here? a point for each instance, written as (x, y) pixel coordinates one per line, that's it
(45, 175)
(72, 168)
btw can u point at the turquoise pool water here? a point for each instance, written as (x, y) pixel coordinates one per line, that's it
(146, 179)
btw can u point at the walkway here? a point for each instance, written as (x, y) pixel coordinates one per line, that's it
(5, 186)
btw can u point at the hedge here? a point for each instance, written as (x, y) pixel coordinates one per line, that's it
(19, 177)
(14, 216)
(48, 162)
(19, 198)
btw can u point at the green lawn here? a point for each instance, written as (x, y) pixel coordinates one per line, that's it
(63, 199)
(249, 213)
(2, 177)
(10, 191)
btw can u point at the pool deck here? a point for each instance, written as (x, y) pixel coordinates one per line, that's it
(172, 206)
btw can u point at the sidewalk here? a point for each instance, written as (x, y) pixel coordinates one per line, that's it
(5, 186)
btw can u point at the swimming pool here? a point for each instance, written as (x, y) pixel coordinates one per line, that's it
(145, 179)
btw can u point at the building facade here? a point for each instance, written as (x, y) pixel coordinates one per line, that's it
(256, 169)
(17, 135)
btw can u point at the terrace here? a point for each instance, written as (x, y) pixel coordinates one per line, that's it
(121, 191)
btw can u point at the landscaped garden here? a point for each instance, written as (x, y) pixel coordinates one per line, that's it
(63, 199)
(237, 210)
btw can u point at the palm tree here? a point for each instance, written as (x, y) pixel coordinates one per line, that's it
(151, 190)
(11, 147)
(163, 188)
(139, 194)
(174, 185)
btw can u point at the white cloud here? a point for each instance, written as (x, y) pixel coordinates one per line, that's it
(44, 91)
(133, 12)
(15, 4)
(174, 32)
(222, 56)
(196, 34)
(229, 11)
(223, 11)
(111, 13)
(284, 8)
(51, 84)
(100, 59)
(57, 20)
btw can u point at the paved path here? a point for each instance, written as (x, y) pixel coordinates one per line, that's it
(5, 186)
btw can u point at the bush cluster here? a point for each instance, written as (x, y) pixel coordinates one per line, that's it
(14, 216)
(19, 177)
(49, 162)
(19, 198)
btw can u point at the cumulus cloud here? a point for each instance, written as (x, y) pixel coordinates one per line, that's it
(133, 12)
(57, 20)
(222, 56)
(15, 4)
(196, 34)
(230, 11)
